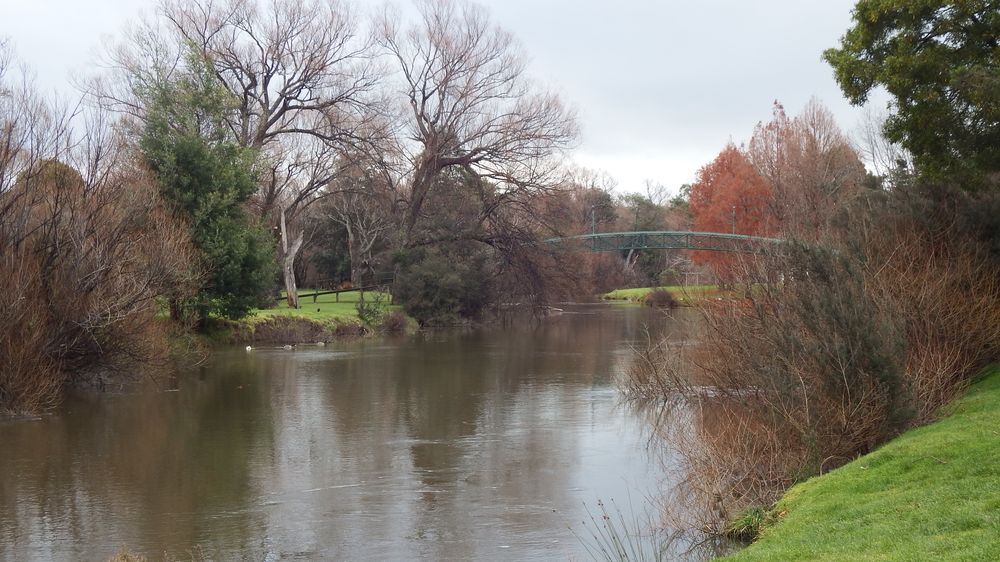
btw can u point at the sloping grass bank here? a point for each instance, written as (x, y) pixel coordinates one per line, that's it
(931, 494)
(321, 320)
(682, 294)
(326, 308)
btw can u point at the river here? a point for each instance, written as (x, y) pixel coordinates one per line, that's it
(489, 444)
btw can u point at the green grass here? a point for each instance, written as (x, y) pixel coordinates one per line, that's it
(325, 309)
(323, 320)
(680, 293)
(931, 494)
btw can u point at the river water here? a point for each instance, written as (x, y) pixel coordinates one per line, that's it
(488, 444)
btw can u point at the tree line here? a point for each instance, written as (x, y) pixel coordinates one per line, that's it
(231, 148)
(221, 139)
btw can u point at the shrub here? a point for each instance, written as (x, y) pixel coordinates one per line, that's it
(659, 298)
(394, 323)
(348, 329)
(861, 340)
(747, 526)
(443, 285)
(29, 380)
(370, 310)
(84, 270)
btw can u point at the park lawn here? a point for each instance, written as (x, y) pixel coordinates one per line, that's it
(325, 309)
(680, 293)
(933, 493)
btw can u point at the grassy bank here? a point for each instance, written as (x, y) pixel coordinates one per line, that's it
(321, 320)
(933, 493)
(682, 294)
(326, 308)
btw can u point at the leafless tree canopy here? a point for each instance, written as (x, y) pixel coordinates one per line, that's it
(810, 166)
(469, 104)
(303, 78)
(296, 68)
(886, 158)
(303, 82)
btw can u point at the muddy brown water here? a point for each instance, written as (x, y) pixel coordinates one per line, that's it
(491, 444)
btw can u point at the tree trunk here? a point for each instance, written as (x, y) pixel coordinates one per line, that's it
(630, 259)
(423, 177)
(354, 252)
(288, 254)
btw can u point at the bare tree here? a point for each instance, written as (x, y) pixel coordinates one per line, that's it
(31, 128)
(303, 80)
(470, 107)
(887, 159)
(87, 249)
(656, 192)
(810, 166)
(361, 204)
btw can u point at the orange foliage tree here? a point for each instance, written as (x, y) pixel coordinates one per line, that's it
(730, 197)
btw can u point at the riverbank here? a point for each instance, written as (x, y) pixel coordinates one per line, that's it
(683, 294)
(932, 493)
(318, 319)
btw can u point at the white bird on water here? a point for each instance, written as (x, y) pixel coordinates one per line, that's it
(249, 348)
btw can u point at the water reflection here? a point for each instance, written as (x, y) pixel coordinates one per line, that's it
(483, 444)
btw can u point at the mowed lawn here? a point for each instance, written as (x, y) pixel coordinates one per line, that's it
(931, 494)
(327, 308)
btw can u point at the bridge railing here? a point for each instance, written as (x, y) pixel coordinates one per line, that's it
(670, 240)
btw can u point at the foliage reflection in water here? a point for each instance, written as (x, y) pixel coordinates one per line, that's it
(484, 444)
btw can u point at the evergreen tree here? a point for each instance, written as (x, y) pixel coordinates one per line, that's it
(939, 60)
(207, 177)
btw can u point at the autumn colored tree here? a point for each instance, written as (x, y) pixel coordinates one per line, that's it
(730, 197)
(810, 168)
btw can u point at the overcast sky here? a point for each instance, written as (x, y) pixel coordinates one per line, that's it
(660, 86)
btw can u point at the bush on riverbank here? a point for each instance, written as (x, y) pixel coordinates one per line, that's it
(658, 298)
(928, 494)
(288, 329)
(860, 342)
(394, 323)
(84, 265)
(444, 286)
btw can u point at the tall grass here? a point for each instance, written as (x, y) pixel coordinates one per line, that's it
(612, 536)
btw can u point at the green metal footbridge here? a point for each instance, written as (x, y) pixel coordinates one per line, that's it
(668, 240)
